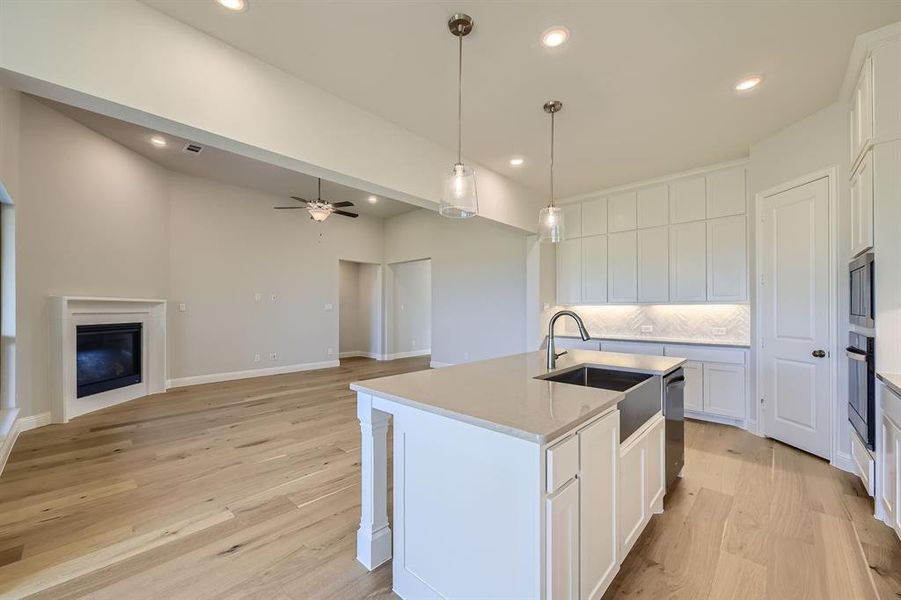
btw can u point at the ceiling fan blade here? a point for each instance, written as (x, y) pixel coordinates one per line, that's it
(341, 204)
(300, 199)
(344, 213)
(290, 207)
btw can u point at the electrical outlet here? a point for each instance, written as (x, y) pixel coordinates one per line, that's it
(182, 307)
(647, 328)
(329, 306)
(258, 296)
(273, 356)
(413, 343)
(331, 351)
(719, 331)
(256, 357)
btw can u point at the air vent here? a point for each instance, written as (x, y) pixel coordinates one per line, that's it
(192, 148)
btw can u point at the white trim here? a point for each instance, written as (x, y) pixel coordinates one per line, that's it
(440, 365)
(357, 353)
(712, 418)
(657, 180)
(863, 44)
(843, 461)
(409, 354)
(249, 373)
(17, 426)
(831, 174)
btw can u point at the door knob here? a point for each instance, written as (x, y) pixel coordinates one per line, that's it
(818, 353)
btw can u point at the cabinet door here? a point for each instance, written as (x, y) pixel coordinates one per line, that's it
(888, 495)
(694, 386)
(563, 543)
(572, 220)
(594, 217)
(621, 212)
(688, 200)
(726, 193)
(594, 269)
(688, 262)
(653, 206)
(727, 259)
(655, 470)
(862, 111)
(598, 472)
(724, 390)
(569, 271)
(653, 264)
(897, 470)
(622, 273)
(862, 206)
(632, 509)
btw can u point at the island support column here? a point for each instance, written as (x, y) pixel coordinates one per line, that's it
(374, 535)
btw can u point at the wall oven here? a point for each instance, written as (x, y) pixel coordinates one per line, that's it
(862, 303)
(862, 387)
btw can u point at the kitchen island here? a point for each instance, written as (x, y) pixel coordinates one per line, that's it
(507, 484)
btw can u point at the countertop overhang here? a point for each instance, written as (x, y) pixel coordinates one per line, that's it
(503, 394)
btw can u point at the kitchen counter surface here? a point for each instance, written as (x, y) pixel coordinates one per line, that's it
(891, 380)
(502, 394)
(662, 340)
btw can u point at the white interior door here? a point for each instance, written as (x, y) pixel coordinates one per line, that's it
(794, 296)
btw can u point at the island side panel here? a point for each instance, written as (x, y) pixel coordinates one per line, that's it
(374, 535)
(467, 510)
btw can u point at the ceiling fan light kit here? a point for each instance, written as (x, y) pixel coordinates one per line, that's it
(459, 198)
(320, 210)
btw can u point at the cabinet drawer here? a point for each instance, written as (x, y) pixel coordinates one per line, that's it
(730, 356)
(562, 463)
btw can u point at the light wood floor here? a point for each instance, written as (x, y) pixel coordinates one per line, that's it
(250, 489)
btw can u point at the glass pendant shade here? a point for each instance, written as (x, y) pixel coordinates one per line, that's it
(459, 199)
(551, 228)
(319, 213)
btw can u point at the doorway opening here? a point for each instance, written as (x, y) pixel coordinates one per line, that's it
(409, 303)
(360, 330)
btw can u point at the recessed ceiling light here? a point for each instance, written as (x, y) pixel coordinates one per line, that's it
(235, 5)
(158, 141)
(748, 83)
(373, 199)
(554, 36)
(517, 161)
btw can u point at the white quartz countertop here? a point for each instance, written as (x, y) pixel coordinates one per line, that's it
(502, 394)
(891, 380)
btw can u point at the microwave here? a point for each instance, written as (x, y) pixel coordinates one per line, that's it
(862, 304)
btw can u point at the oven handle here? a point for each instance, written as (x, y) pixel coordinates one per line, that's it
(855, 355)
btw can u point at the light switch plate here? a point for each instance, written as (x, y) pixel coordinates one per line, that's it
(258, 296)
(329, 306)
(719, 331)
(647, 328)
(182, 307)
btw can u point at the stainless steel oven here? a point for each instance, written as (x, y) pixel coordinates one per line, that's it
(861, 273)
(862, 387)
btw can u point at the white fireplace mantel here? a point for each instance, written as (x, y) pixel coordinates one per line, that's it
(66, 313)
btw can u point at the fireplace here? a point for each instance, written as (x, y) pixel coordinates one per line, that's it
(108, 357)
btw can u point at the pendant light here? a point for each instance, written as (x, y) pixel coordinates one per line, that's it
(551, 227)
(459, 199)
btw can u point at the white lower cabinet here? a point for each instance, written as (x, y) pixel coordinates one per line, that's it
(641, 482)
(716, 381)
(724, 390)
(694, 385)
(598, 450)
(563, 543)
(888, 495)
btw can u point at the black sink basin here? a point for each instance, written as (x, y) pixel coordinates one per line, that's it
(605, 379)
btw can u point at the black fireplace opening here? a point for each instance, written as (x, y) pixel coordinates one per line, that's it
(108, 357)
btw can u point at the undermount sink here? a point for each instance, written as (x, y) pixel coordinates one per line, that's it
(596, 377)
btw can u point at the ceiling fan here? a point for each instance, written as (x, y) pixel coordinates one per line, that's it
(319, 209)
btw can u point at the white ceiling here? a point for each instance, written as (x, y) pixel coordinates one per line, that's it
(219, 165)
(646, 86)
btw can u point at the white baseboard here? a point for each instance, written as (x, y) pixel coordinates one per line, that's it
(437, 364)
(843, 461)
(701, 416)
(355, 354)
(410, 354)
(233, 375)
(14, 426)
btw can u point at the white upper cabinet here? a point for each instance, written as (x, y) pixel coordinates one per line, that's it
(569, 271)
(862, 123)
(862, 206)
(594, 217)
(688, 262)
(594, 269)
(653, 206)
(622, 270)
(727, 256)
(621, 212)
(572, 220)
(726, 193)
(688, 200)
(653, 264)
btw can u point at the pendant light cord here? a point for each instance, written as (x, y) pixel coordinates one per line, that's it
(460, 102)
(552, 158)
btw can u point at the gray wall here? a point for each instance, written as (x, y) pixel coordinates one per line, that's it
(412, 306)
